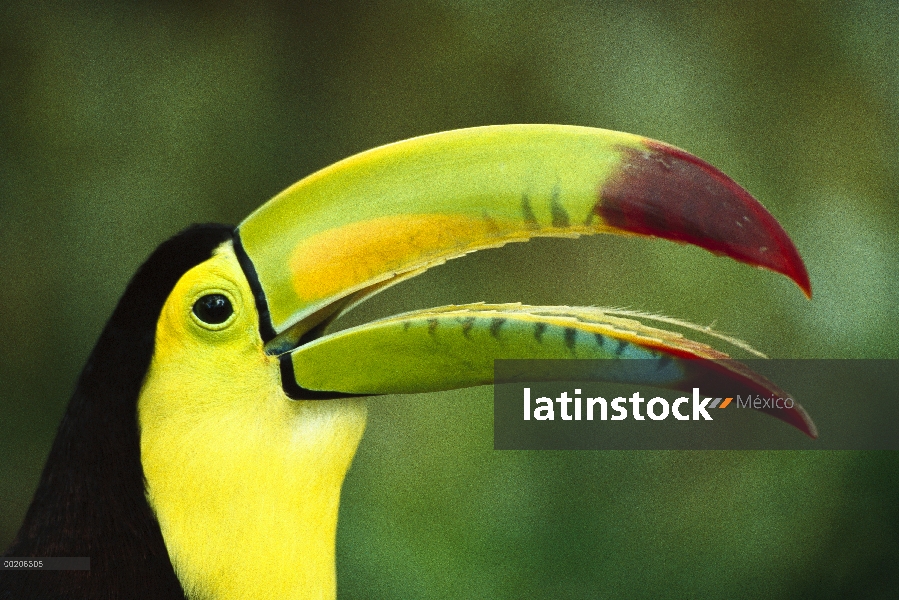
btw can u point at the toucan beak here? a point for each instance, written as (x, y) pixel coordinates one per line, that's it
(382, 216)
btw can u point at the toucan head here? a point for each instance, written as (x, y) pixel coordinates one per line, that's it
(252, 407)
(251, 410)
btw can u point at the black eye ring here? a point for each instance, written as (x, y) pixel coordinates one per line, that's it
(213, 309)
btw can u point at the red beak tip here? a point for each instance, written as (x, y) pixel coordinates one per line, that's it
(665, 192)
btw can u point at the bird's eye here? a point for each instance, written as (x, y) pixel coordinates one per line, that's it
(213, 309)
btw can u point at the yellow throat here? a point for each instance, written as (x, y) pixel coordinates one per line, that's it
(245, 482)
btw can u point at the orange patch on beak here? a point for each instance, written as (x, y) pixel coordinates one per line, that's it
(344, 258)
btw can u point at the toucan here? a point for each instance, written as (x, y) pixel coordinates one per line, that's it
(204, 448)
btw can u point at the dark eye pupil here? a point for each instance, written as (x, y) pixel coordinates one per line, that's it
(213, 309)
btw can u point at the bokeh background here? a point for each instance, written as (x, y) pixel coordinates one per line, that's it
(121, 123)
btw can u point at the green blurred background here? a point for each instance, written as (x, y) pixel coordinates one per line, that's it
(121, 123)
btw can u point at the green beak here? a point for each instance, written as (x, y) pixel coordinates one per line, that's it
(348, 231)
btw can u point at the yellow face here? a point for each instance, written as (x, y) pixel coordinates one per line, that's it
(245, 482)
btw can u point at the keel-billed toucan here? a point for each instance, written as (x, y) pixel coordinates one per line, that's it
(204, 448)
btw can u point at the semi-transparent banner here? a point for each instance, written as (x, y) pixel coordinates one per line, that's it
(680, 404)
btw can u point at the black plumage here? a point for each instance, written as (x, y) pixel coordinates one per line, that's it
(90, 500)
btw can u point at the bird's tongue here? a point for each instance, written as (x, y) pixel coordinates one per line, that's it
(352, 229)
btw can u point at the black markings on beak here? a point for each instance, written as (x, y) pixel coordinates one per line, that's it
(539, 328)
(621, 346)
(570, 337)
(527, 213)
(467, 324)
(495, 325)
(560, 215)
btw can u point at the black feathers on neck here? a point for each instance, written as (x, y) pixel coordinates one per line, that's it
(90, 500)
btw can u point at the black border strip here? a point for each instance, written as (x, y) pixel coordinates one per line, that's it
(267, 332)
(266, 329)
(295, 392)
